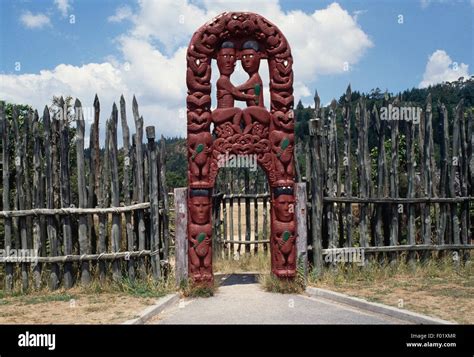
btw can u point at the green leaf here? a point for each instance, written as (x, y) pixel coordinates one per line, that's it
(201, 237)
(286, 235)
(257, 89)
(200, 148)
(285, 143)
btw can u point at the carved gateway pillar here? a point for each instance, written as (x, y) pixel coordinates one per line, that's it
(257, 130)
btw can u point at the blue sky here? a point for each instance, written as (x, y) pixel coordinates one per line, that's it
(114, 47)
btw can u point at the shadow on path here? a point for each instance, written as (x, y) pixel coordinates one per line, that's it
(240, 279)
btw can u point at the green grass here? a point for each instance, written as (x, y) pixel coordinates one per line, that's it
(273, 284)
(190, 289)
(246, 263)
(139, 287)
(433, 270)
(48, 298)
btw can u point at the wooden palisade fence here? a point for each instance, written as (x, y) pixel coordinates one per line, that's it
(122, 223)
(437, 212)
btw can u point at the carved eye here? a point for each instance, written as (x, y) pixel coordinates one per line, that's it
(244, 56)
(251, 56)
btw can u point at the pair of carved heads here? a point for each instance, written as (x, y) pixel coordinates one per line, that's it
(228, 55)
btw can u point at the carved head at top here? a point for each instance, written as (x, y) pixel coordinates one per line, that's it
(250, 56)
(226, 58)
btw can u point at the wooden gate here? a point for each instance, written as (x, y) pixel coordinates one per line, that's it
(241, 211)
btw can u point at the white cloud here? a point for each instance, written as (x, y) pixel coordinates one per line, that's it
(441, 68)
(357, 13)
(170, 22)
(63, 6)
(34, 21)
(122, 13)
(81, 82)
(154, 76)
(331, 37)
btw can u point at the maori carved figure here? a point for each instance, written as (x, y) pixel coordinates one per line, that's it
(200, 235)
(282, 147)
(255, 111)
(266, 133)
(283, 232)
(199, 149)
(226, 92)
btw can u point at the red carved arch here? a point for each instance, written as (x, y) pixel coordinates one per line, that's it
(269, 134)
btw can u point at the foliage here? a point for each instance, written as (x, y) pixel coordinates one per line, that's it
(273, 284)
(188, 289)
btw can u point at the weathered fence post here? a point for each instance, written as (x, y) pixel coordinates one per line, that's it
(346, 162)
(247, 211)
(470, 158)
(394, 182)
(231, 219)
(332, 174)
(154, 202)
(316, 193)
(363, 164)
(139, 177)
(126, 187)
(94, 173)
(301, 230)
(382, 190)
(216, 244)
(410, 152)
(443, 182)
(51, 229)
(104, 199)
(428, 189)
(224, 219)
(265, 221)
(20, 152)
(7, 222)
(27, 164)
(116, 233)
(455, 165)
(255, 222)
(164, 190)
(65, 192)
(37, 199)
(82, 192)
(181, 234)
(464, 179)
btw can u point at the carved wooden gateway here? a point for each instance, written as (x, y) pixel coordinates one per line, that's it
(255, 130)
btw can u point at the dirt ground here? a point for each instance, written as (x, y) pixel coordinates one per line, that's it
(448, 298)
(71, 308)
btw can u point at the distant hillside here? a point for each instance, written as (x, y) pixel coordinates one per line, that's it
(176, 163)
(447, 93)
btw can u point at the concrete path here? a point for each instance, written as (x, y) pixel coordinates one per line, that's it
(240, 300)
